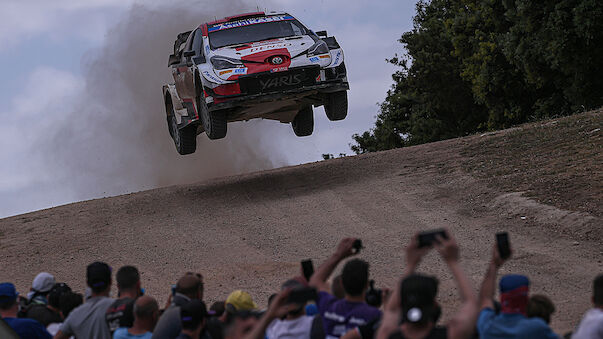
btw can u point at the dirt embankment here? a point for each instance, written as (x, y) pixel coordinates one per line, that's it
(541, 182)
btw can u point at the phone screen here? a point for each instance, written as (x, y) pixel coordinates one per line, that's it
(307, 268)
(429, 237)
(502, 242)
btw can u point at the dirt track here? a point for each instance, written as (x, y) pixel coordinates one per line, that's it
(251, 231)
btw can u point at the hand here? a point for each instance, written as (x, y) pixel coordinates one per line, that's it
(497, 261)
(345, 248)
(448, 248)
(279, 307)
(386, 293)
(414, 254)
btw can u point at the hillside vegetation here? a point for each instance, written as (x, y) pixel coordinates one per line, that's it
(483, 65)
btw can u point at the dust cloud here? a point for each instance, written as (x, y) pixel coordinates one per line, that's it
(116, 138)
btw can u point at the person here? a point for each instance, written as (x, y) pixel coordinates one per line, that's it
(591, 325)
(415, 300)
(23, 327)
(296, 324)
(67, 303)
(189, 287)
(540, 306)
(217, 309)
(512, 321)
(120, 313)
(341, 315)
(192, 318)
(88, 319)
(49, 313)
(256, 328)
(146, 314)
(40, 287)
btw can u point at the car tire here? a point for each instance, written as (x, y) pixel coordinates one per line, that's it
(303, 123)
(214, 123)
(336, 105)
(185, 138)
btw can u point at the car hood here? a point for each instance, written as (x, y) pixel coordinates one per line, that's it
(290, 47)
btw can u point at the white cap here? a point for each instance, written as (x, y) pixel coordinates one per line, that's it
(43, 282)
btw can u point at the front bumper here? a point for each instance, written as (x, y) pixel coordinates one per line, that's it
(268, 86)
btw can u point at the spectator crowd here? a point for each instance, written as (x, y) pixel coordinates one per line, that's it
(311, 305)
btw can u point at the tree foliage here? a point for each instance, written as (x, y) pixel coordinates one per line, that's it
(473, 65)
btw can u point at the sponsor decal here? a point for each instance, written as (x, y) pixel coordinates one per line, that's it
(269, 47)
(240, 70)
(325, 56)
(212, 78)
(279, 69)
(285, 80)
(337, 57)
(314, 59)
(247, 22)
(206, 49)
(225, 72)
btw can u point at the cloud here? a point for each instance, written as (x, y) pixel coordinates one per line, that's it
(57, 19)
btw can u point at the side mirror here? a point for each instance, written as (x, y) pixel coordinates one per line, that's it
(189, 54)
(174, 59)
(322, 33)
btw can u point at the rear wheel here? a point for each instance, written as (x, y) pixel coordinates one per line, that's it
(185, 139)
(214, 123)
(336, 106)
(303, 124)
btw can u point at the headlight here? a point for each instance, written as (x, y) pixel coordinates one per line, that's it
(220, 62)
(318, 48)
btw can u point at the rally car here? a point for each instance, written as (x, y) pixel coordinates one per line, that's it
(253, 65)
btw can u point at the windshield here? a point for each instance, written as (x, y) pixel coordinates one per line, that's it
(245, 31)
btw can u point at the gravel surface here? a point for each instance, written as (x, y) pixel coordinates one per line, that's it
(251, 231)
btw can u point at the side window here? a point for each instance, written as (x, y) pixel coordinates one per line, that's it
(296, 29)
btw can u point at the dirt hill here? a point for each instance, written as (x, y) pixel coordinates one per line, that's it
(542, 182)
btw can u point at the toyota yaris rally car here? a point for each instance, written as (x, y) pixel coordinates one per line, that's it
(253, 65)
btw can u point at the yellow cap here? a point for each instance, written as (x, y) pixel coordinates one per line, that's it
(241, 301)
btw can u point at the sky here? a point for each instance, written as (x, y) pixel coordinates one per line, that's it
(82, 114)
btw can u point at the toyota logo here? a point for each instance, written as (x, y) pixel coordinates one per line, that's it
(277, 60)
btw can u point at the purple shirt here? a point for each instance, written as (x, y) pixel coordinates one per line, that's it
(340, 315)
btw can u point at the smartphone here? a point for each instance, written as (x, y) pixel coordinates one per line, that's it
(307, 268)
(302, 295)
(502, 242)
(357, 245)
(429, 237)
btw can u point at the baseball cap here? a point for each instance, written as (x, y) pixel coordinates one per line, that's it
(98, 275)
(192, 313)
(43, 282)
(8, 292)
(294, 283)
(514, 289)
(241, 301)
(417, 296)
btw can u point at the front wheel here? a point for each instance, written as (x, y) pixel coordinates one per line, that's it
(336, 106)
(303, 124)
(214, 123)
(185, 139)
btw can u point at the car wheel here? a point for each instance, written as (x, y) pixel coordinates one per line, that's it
(185, 138)
(336, 106)
(214, 123)
(303, 124)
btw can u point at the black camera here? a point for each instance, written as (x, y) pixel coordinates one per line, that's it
(373, 295)
(357, 245)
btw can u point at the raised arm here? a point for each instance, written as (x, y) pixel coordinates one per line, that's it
(462, 324)
(486, 293)
(319, 278)
(277, 309)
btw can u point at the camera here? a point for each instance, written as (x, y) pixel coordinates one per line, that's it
(373, 295)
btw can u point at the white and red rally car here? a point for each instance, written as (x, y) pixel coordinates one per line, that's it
(254, 65)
